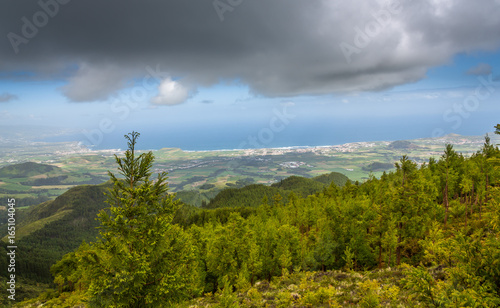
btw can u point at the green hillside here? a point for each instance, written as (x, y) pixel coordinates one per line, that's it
(197, 198)
(337, 178)
(53, 228)
(26, 170)
(300, 185)
(32, 183)
(250, 195)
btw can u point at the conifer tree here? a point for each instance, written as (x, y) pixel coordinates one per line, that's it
(141, 259)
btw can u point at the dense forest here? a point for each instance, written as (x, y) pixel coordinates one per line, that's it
(434, 225)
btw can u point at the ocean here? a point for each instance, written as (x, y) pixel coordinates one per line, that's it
(298, 134)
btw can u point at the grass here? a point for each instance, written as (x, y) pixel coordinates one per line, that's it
(378, 288)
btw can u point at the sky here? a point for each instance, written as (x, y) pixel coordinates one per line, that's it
(216, 74)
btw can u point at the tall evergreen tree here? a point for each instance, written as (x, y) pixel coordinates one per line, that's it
(141, 259)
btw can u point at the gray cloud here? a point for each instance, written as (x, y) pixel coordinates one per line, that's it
(7, 97)
(279, 48)
(92, 83)
(480, 69)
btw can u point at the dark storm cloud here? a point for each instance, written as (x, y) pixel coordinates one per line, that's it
(278, 48)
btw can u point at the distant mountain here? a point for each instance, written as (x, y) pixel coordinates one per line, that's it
(402, 145)
(28, 169)
(452, 135)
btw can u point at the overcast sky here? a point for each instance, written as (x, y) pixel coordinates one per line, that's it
(188, 65)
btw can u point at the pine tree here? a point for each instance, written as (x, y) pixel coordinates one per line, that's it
(141, 259)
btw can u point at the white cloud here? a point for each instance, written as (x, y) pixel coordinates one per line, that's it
(170, 92)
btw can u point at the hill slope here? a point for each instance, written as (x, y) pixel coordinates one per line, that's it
(252, 195)
(300, 185)
(32, 183)
(337, 178)
(54, 228)
(28, 169)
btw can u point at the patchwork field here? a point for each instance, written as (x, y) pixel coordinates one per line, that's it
(205, 170)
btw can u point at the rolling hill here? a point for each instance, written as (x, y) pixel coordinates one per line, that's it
(26, 170)
(300, 185)
(32, 183)
(337, 178)
(53, 228)
(252, 195)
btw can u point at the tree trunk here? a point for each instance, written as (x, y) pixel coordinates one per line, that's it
(487, 184)
(466, 215)
(445, 203)
(398, 248)
(380, 253)
(472, 198)
(485, 195)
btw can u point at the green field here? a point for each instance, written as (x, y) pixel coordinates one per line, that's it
(193, 170)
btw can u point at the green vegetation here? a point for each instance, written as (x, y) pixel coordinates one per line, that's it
(248, 196)
(253, 194)
(425, 234)
(300, 185)
(25, 170)
(48, 231)
(140, 258)
(32, 183)
(337, 178)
